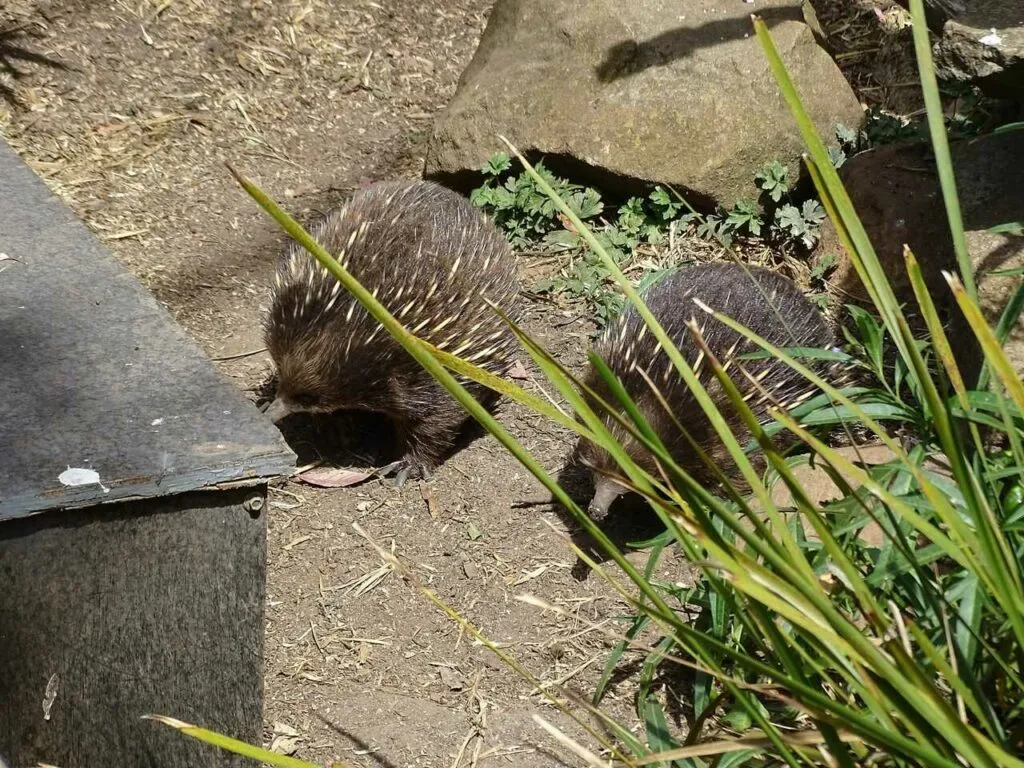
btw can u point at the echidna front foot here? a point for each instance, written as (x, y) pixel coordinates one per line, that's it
(411, 469)
(405, 468)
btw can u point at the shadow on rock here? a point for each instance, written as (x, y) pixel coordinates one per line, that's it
(630, 57)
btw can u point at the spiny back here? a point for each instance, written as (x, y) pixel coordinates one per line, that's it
(422, 251)
(431, 259)
(767, 303)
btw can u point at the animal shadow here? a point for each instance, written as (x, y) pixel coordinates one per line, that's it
(629, 57)
(630, 519)
(11, 51)
(352, 438)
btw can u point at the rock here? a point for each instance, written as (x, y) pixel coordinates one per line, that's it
(676, 93)
(985, 46)
(820, 488)
(896, 193)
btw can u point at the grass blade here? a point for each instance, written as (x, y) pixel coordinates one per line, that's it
(940, 143)
(232, 745)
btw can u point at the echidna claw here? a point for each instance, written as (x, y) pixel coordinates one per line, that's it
(403, 469)
(403, 475)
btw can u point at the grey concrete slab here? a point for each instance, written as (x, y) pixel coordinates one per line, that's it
(95, 374)
(118, 611)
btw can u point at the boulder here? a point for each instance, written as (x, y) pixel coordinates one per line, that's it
(650, 91)
(985, 46)
(896, 193)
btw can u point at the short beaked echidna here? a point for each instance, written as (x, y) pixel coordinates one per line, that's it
(431, 259)
(767, 303)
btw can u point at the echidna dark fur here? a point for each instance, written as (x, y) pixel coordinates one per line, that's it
(431, 259)
(770, 305)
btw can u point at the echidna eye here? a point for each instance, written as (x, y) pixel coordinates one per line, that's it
(306, 400)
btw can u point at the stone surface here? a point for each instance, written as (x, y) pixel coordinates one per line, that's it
(822, 489)
(985, 46)
(896, 193)
(655, 91)
(97, 376)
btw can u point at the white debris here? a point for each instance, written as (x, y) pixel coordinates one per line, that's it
(74, 476)
(4, 257)
(156, 422)
(992, 38)
(50, 696)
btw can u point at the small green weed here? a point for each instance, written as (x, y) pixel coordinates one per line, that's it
(800, 224)
(745, 215)
(773, 180)
(532, 224)
(521, 209)
(781, 219)
(820, 271)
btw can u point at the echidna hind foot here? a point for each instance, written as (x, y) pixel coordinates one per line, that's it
(405, 468)
(426, 440)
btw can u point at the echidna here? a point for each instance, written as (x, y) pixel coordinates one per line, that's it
(431, 258)
(767, 303)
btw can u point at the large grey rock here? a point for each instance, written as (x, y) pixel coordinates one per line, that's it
(656, 91)
(896, 193)
(985, 46)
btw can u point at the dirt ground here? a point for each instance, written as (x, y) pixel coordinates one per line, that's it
(310, 99)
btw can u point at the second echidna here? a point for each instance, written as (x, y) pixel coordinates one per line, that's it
(767, 303)
(431, 259)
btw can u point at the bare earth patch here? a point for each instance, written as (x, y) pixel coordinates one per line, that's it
(311, 98)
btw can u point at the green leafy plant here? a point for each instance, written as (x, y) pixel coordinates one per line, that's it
(800, 224)
(818, 278)
(520, 209)
(532, 222)
(850, 139)
(791, 220)
(773, 180)
(745, 216)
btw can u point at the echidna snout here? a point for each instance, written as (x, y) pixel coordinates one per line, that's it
(606, 491)
(278, 410)
(603, 468)
(307, 377)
